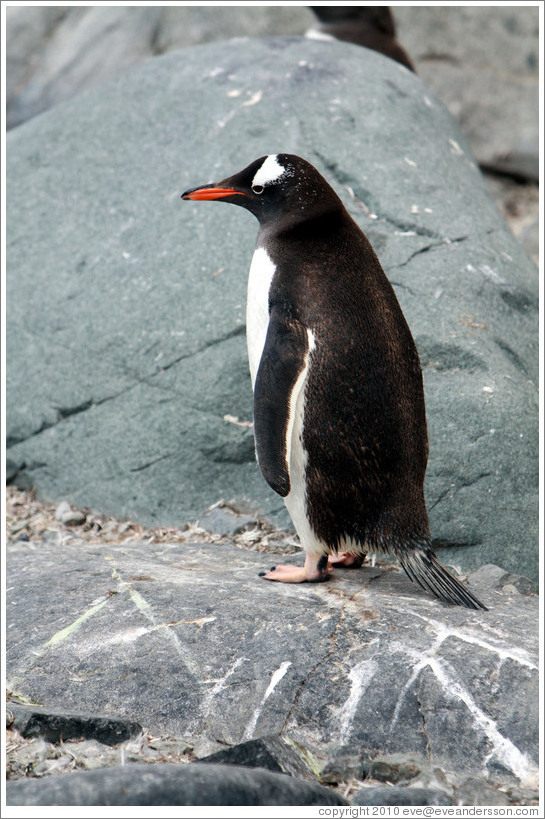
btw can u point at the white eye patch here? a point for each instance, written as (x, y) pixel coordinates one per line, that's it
(271, 171)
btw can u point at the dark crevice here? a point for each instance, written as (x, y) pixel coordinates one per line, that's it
(327, 655)
(473, 481)
(443, 494)
(150, 463)
(513, 357)
(424, 730)
(429, 247)
(238, 331)
(67, 412)
(400, 285)
(369, 203)
(463, 484)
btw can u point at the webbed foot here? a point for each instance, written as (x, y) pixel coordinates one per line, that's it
(347, 560)
(315, 570)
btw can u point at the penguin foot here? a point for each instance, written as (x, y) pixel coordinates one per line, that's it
(315, 570)
(347, 560)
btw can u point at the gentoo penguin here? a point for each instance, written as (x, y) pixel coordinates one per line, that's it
(339, 416)
(369, 26)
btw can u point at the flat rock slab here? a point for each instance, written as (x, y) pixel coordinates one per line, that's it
(33, 721)
(169, 784)
(128, 388)
(187, 638)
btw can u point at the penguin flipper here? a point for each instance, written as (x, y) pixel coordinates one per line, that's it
(422, 566)
(279, 379)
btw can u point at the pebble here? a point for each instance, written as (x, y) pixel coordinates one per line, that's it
(73, 518)
(62, 509)
(69, 516)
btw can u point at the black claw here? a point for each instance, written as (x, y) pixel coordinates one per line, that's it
(322, 565)
(262, 574)
(272, 568)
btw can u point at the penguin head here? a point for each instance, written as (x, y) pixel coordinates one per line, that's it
(276, 187)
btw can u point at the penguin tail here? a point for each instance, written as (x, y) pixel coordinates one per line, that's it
(422, 566)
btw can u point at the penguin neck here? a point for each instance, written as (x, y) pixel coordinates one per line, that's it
(300, 224)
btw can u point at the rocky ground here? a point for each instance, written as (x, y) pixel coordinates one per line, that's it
(42, 742)
(33, 521)
(30, 520)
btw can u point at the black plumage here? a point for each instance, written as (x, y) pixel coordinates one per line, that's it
(337, 347)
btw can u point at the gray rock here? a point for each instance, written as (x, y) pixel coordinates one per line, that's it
(223, 521)
(73, 518)
(33, 721)
(275, 753)
(501, 580)
(346, 763)
(119, 401)
(171, 784)
(62, 509)
(393, 769)
(69, 516)
(473, 791)
(29, 30)
(203, 648)
(482, 63)
(383, 795)
(83, 47)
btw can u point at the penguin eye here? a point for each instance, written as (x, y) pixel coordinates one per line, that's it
(258, 189)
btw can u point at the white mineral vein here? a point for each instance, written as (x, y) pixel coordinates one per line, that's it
(275, 679)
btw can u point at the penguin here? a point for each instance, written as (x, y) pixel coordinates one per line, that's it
(339, 414)
(369, 26)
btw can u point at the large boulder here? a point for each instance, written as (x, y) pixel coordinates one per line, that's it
(128, 386)
(482, 62)
(349, 675)
(170, 784)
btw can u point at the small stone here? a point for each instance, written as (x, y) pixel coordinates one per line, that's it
(347, 763)
(474, 791)
(73, 518)
(222, 521)
(276, 753)
(395, 768)
(18, 526)
(62, 509)
(123, 527)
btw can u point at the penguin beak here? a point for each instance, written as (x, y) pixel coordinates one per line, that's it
(210, 192)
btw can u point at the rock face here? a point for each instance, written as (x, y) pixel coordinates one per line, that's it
(186, 638)
(482, 62)
(128, 386)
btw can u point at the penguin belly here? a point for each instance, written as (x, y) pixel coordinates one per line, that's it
(296, 500)
(260, 278)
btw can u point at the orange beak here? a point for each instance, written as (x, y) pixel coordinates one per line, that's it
(210, 193)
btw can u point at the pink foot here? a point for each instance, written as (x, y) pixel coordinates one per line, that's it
(315, 570)
(346, 560)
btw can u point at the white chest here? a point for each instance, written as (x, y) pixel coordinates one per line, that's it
(261, 275)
